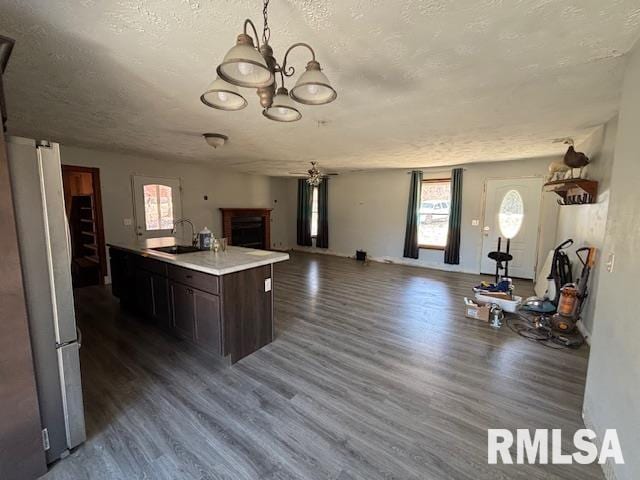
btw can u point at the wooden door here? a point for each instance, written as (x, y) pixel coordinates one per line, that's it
(183, 311)
(207, 318)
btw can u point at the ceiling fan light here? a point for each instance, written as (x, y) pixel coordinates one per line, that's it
(244, 66)
(223, 96)
(313, 87)
(282, 109)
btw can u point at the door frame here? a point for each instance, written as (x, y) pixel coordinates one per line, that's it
(97, 198)
(484, 213)
(136, 213)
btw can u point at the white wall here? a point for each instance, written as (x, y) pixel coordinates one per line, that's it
(367, 211)
(612, 396)
(586, 224)
(223, 188)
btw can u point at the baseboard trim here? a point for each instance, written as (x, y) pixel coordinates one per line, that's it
(584, 331)
(388, 260)
(609, 467)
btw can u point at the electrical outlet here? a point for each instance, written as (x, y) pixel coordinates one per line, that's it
(127, 222)
(475, 223)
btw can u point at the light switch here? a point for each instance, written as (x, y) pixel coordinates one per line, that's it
(267, 284)
(475, 223)
(611, 262)
(128, 222)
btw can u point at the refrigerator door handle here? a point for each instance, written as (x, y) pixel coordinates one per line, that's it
(79, 341)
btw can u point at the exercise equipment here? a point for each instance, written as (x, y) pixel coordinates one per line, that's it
(502, 260)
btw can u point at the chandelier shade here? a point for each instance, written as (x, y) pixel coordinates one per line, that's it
(313, 87)
(223, 96)
(252, 63)
(244, 66)
(282, 109)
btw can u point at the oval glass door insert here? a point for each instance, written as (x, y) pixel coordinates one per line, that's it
(511, 214)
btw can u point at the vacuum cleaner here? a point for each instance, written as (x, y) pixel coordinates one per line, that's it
(559, 276)
(573, 295)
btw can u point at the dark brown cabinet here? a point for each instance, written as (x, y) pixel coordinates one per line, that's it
(207, 321)
(161, 302)
(183, 311)
(144, 293)
(229, 316)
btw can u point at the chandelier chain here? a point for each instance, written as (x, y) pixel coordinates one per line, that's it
(266, 31)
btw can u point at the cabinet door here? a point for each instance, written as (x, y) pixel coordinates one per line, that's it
(183, 310)
(161, 301)
(118, 271)
(144, 293)
(207, 316)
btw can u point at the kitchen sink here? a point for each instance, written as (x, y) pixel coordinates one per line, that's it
(177, 249)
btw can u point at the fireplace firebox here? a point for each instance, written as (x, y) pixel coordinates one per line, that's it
(247, 227)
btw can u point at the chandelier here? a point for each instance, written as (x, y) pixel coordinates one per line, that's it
(315, 177)
(254, 66)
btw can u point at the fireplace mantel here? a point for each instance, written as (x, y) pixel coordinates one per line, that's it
(231, 216)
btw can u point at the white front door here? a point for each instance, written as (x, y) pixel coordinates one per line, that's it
(158, 203)
(512, 209)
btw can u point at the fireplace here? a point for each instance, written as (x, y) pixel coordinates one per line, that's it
(247, 227)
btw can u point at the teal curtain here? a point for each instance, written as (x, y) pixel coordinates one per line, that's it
(305, 200)
(322, 239)
(411, 249)
(452, 250)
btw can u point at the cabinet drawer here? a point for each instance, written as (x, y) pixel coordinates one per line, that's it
(151, 265)
(199, 280)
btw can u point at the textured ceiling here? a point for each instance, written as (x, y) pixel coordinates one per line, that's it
(420, 83)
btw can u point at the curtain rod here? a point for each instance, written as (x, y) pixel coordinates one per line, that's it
(428, 170)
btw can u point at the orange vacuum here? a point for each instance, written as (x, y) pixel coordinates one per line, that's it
(572, 295)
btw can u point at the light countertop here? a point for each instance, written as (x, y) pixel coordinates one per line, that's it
(234, 259)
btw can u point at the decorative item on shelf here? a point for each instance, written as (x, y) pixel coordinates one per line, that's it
(557, 171)
(573, 160)
(254, 66)
(215, 140)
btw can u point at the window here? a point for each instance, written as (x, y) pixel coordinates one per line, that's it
(511, 214)
(433, 221)
(314, 212)
(158, 207)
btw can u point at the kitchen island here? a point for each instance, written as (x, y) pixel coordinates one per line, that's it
(221, 302)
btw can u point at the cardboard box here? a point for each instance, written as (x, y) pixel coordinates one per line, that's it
(476, 311)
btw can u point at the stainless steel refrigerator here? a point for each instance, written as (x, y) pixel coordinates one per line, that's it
(45, 254)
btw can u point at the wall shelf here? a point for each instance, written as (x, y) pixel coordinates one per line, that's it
(574, 191)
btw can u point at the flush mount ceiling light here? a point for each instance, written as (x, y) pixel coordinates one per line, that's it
(215, 140)
(254, 66)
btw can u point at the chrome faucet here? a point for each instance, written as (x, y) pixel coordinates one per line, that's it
(193, 229)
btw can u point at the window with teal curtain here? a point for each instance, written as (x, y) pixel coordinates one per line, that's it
(452, 250)
(411, 249)
(304, 213)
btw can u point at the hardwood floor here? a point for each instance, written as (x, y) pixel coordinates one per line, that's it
(374, 373)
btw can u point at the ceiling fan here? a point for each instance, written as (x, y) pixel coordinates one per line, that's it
(314, 175)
